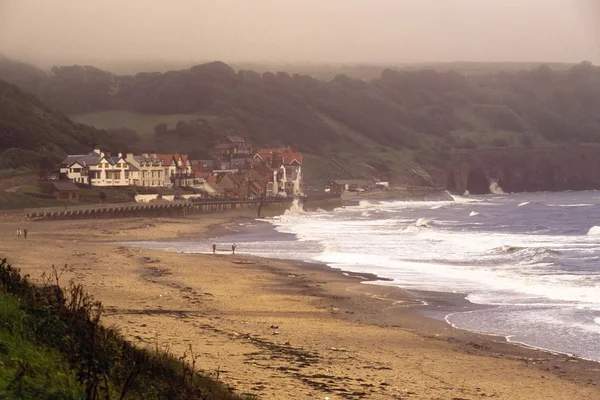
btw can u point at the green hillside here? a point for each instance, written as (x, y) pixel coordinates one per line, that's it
(33, 135)
(359, 127)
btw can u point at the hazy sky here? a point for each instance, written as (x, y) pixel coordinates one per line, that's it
(80, 31)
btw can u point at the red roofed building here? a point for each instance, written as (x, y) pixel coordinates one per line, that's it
(178, 169)
(286, 164)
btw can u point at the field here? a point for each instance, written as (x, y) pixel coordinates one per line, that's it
(142, 123)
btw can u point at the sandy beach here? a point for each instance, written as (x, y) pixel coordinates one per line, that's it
(283, 330)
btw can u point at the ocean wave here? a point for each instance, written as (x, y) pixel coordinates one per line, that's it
(571, 205)
(423, 223)
(473, 213)
(594, 230)
(524, 203)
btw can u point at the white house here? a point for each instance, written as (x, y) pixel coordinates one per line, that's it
(109, 171)
(96, 169)
(145, 170)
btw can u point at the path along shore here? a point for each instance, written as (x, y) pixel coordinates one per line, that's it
(284, 330)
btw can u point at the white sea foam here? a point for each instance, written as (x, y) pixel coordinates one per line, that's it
(295, 209)
(594, 230)
(545, 259)
(524, 203)
(495, 188)
(473, 213)
(423, 223)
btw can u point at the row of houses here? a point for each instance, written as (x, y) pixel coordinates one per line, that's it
(235, 169)
(148, 170)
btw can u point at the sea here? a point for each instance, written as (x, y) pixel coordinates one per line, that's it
(531, 260)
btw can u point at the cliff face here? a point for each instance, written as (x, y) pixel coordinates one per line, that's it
(523, 169)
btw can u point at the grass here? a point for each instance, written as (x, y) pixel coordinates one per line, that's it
(16, 201)
(53, 346)
(143, 124)
(29, 369)
(12, 172)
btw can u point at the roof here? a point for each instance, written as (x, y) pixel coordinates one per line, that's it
(235, 139)
(214, 187)
(268, 151)
(165, 157)
(71, 159)
(83, 159)
(289, 158)
(65, 186)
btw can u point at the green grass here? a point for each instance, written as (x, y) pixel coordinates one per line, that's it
(29, 369)
(143, 124)
(12, 172)
(20, 201)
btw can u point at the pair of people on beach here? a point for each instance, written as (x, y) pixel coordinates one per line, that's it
(233, 247)
(21, 233)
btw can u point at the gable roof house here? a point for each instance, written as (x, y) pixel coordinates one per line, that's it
(178, 169)
(95, 168)
(64, 191)
(232, 146)
(287, 164)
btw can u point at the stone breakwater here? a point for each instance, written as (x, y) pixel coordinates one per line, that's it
(166, 209)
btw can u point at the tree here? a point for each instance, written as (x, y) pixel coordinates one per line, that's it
(160, 129)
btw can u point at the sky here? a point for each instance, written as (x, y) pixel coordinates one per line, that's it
(50, 32)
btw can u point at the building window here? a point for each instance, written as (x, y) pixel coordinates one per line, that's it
(117, 174)
(126, 174)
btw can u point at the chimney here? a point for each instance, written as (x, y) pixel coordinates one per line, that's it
(120, 155)
(102, 155)
(129, 156)
(97, 151)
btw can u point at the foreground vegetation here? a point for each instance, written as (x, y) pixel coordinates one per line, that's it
(52, 346)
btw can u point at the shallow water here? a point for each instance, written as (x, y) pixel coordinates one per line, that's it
(535, 257)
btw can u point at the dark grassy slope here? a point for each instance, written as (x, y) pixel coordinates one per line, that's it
(33, 135)
(373, 127)
(52, 346)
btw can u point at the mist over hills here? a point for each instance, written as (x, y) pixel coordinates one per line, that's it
(378, 126)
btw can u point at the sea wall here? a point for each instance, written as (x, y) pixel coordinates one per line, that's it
(264, 207)
(522, 169)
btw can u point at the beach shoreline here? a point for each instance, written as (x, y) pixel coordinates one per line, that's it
(273, 327)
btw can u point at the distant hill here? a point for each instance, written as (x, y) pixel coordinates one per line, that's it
(32, 135)
(354, 127)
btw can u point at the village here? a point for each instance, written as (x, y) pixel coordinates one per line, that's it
(235, 171)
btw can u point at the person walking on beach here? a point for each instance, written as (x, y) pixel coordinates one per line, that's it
(233, 246)
(25, 233)
(19, 233)
(214, 247)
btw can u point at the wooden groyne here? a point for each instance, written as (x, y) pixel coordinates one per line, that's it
(160, 209)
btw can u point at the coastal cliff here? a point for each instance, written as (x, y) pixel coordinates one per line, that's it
(522, 169)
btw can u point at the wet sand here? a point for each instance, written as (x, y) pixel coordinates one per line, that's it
(284, 330)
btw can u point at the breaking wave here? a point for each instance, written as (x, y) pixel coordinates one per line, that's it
(495, 188)
(594, 230)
